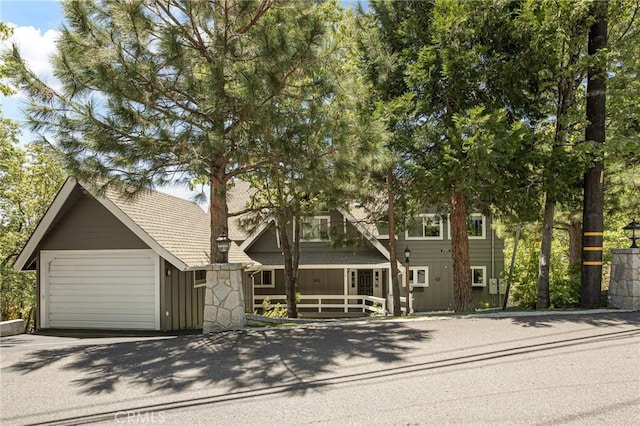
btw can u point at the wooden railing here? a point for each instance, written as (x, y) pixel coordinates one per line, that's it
(367, 304)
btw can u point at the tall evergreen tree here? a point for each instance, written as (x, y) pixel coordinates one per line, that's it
(593, 221)
(463, 74)
(160, 90)
(318, 147)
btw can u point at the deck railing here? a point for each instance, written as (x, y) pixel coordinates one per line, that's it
(348, 303)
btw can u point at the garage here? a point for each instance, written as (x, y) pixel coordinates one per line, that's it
(107, 289)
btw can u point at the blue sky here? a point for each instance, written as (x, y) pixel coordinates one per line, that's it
(43, 14)
(36, 24)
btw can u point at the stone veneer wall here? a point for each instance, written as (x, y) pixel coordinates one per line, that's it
(224, 298)
(624, 287)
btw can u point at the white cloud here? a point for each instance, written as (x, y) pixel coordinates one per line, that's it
(36, 49)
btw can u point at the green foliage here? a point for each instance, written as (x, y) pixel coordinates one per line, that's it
(29, 179)
(273, 311)
(564, 291)
(270, 310)
(5, 33)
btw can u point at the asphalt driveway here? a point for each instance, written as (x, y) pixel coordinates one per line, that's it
(558, 369)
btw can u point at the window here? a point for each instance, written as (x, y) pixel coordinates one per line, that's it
(478, 274)
(476, 226)
(264, 279)
(315, 228)
(419, 276)
(425, 226)
(199, 279)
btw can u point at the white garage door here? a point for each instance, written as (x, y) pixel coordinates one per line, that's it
(111, 289)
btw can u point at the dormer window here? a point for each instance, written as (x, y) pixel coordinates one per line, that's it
(315, 228)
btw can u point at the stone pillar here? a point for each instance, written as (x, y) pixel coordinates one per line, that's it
(624, 287)
(224, 298)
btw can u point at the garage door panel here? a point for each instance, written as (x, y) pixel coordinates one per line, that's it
(102, 281)
(99, 261)
(122, 274)
(103, 324)
(107, 303)
(107, 290)
(115, 294)
(120, 313)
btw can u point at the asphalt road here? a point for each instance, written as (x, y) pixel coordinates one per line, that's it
(533, 370)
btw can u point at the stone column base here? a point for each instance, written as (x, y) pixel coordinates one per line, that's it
(624, 287)
(224, 298)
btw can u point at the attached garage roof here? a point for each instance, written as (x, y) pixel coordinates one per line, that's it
(176, 229)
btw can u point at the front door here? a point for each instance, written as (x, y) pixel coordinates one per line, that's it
(365, 282)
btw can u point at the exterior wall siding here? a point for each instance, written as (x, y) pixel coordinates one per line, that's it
(183, 303)
(87, 225)
(436, 256)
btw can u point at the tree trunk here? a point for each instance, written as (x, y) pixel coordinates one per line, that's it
(393, 258)
(592, 213)
(575, 248)
(543, 301)
(463, 298)
(218, 212)
(291, 254)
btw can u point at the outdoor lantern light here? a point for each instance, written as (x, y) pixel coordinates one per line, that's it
(224, 244)
(632, 230)
(407, 254)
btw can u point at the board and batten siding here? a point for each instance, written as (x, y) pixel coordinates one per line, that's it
(182, 304)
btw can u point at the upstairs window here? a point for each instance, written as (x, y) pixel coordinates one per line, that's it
(315, 228)
(425, 226)
(476, 226)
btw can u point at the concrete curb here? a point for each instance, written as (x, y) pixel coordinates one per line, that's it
(264, 322)
(11, 328)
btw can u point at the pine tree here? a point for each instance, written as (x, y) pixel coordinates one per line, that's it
(161, 90)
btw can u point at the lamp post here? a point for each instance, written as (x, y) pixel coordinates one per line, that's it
(407, 255)
(224, 244)
(630, 231)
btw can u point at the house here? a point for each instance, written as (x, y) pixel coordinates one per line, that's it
(106, 261)
(333, 277)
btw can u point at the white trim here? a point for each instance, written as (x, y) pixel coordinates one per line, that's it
(373, 240)
(470, 237)
(415, 269)
(139, 232)
(314, 218)
(57, 205)
(484, 276)
(484, 227)
(45, 223)
(47, 256)
(423, 216)
(262, 271)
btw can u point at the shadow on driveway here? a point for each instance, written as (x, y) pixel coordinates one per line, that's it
(235, 360)
(552, 318)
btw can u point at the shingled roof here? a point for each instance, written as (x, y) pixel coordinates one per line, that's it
(175, 228)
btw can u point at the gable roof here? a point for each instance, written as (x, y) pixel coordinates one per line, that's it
(176, 229)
